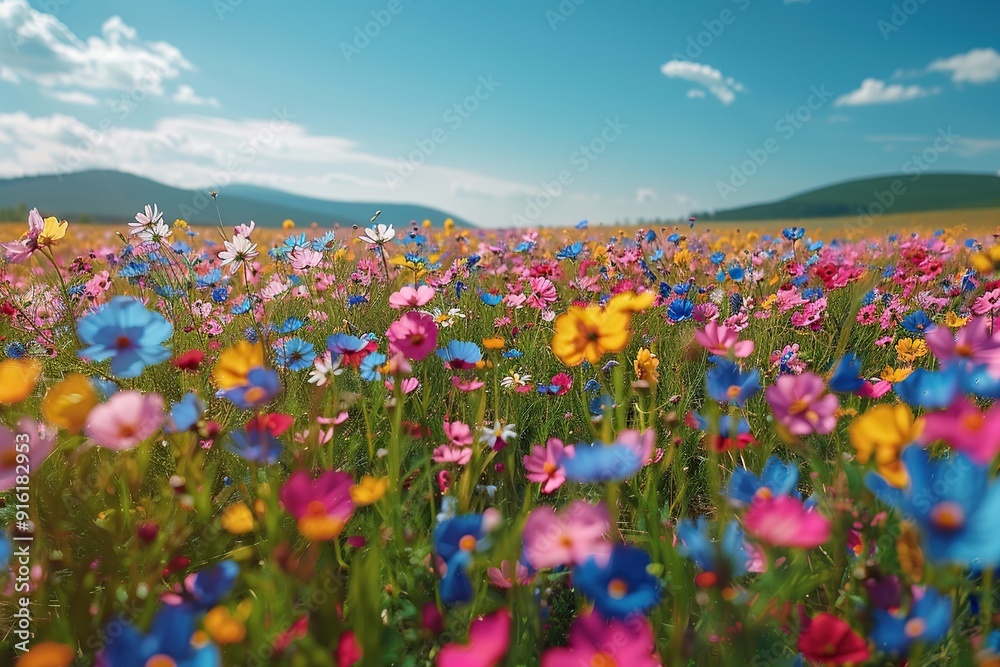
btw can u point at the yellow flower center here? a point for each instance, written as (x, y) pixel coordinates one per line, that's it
(914, 628)
(733, 392)
(161, 660)
(617, 589)
(798, 407)
(254, 394)
(468, 543)
(947, 515)
(549, 467)
(963, 350)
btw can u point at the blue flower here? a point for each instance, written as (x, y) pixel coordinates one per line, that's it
(935, 390)
(917, 323)
(220, 294)
(460, 355)
(598, 405)
(262, 385)
(513, 353)
(793, 233)
(717, 257)
(356, 300)
(777, 479)
(291, 325)
(927, 622)
(370, 369)
(210, 585)
(134, 270)
(169, 636)
(295, 354)
(621, 587)
(15, 350)
(846, 376)
(491, 299)
(680, 310)
(728, 383)
(728, 556)
(255, 444)
(128, 334)
(243, 307)
(455, 540)
(598, 462)
(185, 413)
(571, 251)
(952, 502)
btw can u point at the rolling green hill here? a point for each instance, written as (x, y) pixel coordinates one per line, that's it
(115, 197)
(901, 193)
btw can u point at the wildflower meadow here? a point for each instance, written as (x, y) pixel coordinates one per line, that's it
(419, 444)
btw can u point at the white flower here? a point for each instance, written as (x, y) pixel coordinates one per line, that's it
(446, 319)
(238, 251)
(153, 233)
(150, 217)
(325, 367)
(378, 235)
(515, 380)
(502, 432)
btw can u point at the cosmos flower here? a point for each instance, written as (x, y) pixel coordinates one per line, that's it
(799, 402)
(68, 402)
(321, 506)
(18, 379)
(728, 383)
(239, 252)
(784, 521)
(881, 434)
(235, 363)
(776, 479)
(411, 296)
(489, 637)
(543, 464)
(414, 335)
(128, 334)
(595, 640)
(295, 354)
(568, 537)
(325, 368)
(828, 640)
(620, 585)
(497, 436)
(378, 234)
(721, 340)
(125, 420)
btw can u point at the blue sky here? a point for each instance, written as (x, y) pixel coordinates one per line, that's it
(505, 113)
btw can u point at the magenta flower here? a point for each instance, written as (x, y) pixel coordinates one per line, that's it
(26, 451)
(128, 418)
(459, 433)
(322, 506)
(973, 343)
(19, 251)
(720, 339)
(411, 297)
(799, 402)
(965, 428)
(507, 573)
(784, 521)
(543, 464)
(452, 454)
(596, 641)
(568, 537)
(414, 335)
(489, 638)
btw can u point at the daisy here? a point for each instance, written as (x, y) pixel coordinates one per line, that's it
(497, 436)
(238, 252)
(378, 235)
(325, 368)
(150, 217)
(515, 380)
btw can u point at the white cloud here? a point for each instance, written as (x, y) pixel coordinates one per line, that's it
(977, 66)
(875, 91)
(185, 95)
(197, 152)
(722, 87)
(37, 47)
(643, 195)
(696, 93)
(73, 97)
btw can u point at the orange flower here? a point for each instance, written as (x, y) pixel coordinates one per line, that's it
(18, 378)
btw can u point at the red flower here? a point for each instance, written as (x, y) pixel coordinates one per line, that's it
(348, 649)
(830, 641)
(275, 423)
(190, 360)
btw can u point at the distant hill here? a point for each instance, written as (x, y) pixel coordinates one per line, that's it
(929, 192)
(115, 197)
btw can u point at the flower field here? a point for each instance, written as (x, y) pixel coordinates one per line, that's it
(414, 444)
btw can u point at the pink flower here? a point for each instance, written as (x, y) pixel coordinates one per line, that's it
(973, 343)
(543, 464)
(18, 252)
(489, 637)
(459, 433)
(784, 521)
(466, 385)
(125, 420)
(414, 335)
(965, 429)
(596, 641)
(407, 384)
(799, 402)
(27, 454)
(452, 454)
(322, 506)
(569, 537)
(411, 297)
(543, 292)
(504, 577)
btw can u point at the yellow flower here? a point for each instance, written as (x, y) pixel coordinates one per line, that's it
(288, 224)
(908, 553)
(69, 401)
(910, 349)
(448, 224)
(223, 627)
(180, 223)
(493, 343)
(426, 223)
(47, 654)
(682, 257)
(645, 366)
(987, 261)
(882, 433)
(52, 232)
(237, 519)
(588, 333)
(235, 362)
(368, 490)
(18, 378)
(631, 302)
(953, 321)
(894, 375)
(768, 301)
